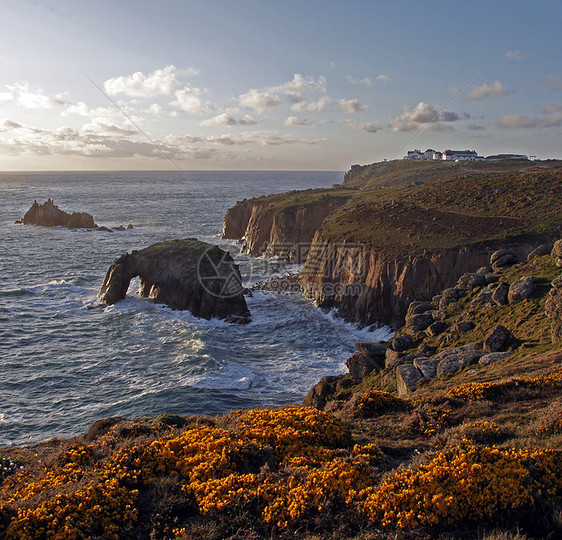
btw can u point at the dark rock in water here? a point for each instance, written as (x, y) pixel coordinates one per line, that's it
(104, 229)
(556, 253)
(521, 289)
(184, 274)
(49, 215)
(553, 309)
(130, 226)
(503, 258)
(119, 228)
(544, 249)
(498, 340)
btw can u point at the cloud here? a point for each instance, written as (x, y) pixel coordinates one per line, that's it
(351, 106)
(425, 114)
(551, 116)
(384, 78)
(477, 127)
(365, 81)
(294, 121)
(516, 55)
(365, 127)
(8, 125)
(554, 83)
(106, 127)
(188, 100)
(82, 109)
(517, 122)
(299, 84)
(487, 90)
(156, 109)
(161, 82)
(21, 94)
(258, 100)
(226, 119)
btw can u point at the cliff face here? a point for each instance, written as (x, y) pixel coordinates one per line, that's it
(282, 230)
(368, 287)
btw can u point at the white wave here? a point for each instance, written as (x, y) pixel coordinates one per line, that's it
(229, 376)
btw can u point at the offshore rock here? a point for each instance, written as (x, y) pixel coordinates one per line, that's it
(48, 214)
(183, 274)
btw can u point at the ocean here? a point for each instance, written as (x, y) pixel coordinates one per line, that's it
(66, 360)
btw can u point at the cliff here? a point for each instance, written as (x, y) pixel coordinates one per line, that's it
(282, 225)
(184, 274)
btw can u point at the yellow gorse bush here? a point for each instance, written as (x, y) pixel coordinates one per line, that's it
(281, 465)
(464, 483)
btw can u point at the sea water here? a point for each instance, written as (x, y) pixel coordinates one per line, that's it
(66, 360)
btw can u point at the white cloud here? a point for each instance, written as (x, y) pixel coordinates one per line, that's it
(517, 121)
(299, 84)
(487, 90)
(425, 114)
(366, 127)
(364, 81)
(321, 105)
(258, 100)
(106, 127)
(294, 121)
(555, 83)
(156, 109)
(515, 55)
(188, 100)
(553, 115)
(227, 119)
(82, 109)
(384, 78)
(161, 82)
(21, 94)
(351, 106)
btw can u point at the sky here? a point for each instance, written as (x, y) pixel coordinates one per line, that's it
(274, 85)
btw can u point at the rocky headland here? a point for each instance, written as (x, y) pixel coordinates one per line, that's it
(452, 429)
(183, 274)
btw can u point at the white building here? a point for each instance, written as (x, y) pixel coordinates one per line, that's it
(428, 155)
(460, 155)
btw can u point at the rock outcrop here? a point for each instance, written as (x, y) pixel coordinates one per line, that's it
(272, 229)
(184, 274)
(553, 309)
(48, 214)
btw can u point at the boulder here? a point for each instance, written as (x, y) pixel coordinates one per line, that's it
(407, 377)
(521, 289)
(503, 258)
(500, 294)
(447, 365)
(543, 249)
(321, 391)
(371, 348)
(483, 297)
(484, 270)
(556, 253)
(419, 322)
(427, 366)
(454, 293)
(471, 281)
(462, 326)
(426, 350)
(183, 274)
(553, 309)
(492, 278)
(490, 358)
(392, 359)
(498, 340)
(48, 214)
(402, 343)
(360, 365)
(418, 307)
(436, 328)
